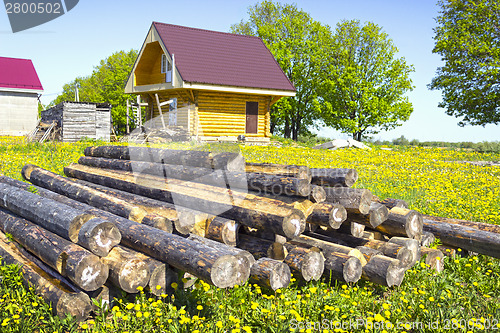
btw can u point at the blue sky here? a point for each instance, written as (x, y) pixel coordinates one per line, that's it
(74, 43)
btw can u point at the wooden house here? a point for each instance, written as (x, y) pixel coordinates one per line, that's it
(19, 91)
(216, 85)
(77, 120)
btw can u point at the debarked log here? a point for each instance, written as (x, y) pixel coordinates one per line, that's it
(270, 273)
(127, 270)
(305, 263)
(223, 230)
(377, 215)
(64, 301)
(342, 267)
(83, 268)
(384, 270)
(330, 215)
(253, 211)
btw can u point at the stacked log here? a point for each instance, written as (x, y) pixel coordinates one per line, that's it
(219, 219)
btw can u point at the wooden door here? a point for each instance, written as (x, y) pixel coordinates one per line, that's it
(252, 117)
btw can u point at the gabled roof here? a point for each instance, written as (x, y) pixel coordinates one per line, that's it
(18, 74)
(218, 58)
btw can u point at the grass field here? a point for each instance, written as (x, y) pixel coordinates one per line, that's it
(465, 297)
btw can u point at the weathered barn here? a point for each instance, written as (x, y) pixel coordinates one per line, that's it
(215, 85)
(77, 120)
(19, 90)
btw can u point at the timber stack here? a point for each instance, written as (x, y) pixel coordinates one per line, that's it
(127, 218)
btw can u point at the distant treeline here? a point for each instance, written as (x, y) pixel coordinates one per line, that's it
(482, 147)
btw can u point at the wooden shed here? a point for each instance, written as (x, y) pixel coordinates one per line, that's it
(216, 85)
(19, 91)
(77, 120)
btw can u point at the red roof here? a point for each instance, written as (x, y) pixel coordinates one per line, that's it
(219, 58)
(19, 74)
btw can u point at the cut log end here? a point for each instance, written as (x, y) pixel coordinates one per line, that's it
(99, 236)
(406, 257)
(337, 216)
(76, 225)
(158, 222)
(434, 259)
(27, 170)
(280, 276)
(226, 271)
(352, 270)
(415, 225)
(161, 280)
(77, 305)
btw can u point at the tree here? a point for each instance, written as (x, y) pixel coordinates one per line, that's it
(365, 86)
(468, 40)
(105, 85)
(296, 41)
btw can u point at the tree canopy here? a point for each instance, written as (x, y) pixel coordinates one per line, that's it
(106, 84)
(468, 39)
(365, 83)
(297, 42)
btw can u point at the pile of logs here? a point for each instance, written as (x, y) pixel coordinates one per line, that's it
(127, 218)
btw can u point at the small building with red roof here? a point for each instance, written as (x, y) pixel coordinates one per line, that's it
(19, 91)
(214, 84)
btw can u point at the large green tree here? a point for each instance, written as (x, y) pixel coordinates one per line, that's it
(297, 42)
(468, 39)
(105, 85)
(365, 84)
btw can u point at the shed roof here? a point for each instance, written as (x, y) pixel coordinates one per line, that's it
(219, 58)
(18, 74)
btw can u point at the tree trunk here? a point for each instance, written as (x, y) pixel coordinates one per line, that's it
(377, 215)
(470, 224)
(412, 244)
(384, 271)
(368, 252)
(427, 239)
(222, 178)
(270, 273)
(467, 238)
(251, 210)
(354, 200)
(318, 194)
(402, 222)
(72, 261)
(64, 301)
(202, 159)
(296, 171)
(334, 177)
(97, 235)
(349, 228)
(391, 203)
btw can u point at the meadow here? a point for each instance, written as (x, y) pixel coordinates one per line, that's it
(465, 297)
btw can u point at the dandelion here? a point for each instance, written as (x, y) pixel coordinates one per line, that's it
(199, 308)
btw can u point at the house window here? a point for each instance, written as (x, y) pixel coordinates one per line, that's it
(166, 68)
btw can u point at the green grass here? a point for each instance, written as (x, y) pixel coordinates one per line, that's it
(466, 293)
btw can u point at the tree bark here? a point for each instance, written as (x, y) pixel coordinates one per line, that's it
(354, 200)
(349, 228)
(247, 209)
(391, 203)
(202, 159)
(296, 171)
(470, 224)
(96, 234)
(402, 222)
(270, 273)
(70, 260)
(368, 252)
(64, 301)
(334, 177)
(260, 248)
